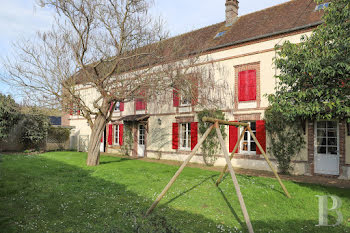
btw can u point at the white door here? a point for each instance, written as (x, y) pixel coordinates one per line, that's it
(141, 141)
(327, 148)
(102, 145)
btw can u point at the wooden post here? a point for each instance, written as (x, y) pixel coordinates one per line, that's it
(234, 179)
(167, 187)
(232, 154)
(268, 162)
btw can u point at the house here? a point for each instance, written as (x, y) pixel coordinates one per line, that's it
(244, 46)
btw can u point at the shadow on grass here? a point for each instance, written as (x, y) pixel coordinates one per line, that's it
(44, 195)
(115, 161)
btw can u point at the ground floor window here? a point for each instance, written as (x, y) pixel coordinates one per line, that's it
(116, 133)
(185, 136)
(248, 145)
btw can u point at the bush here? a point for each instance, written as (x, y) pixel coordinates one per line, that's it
(58, 134)
(34, 130)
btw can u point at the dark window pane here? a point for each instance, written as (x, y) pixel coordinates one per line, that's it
(332, 133)
(252, 146)
(332, 150)
(322, 124)
(321, 142)
(321, 149)
(253, 125)
(332, 141)
(332, 124)
(321, 133)
(245, 136)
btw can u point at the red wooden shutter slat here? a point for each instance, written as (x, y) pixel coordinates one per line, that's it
(176, 98)
(121, 132)
(252, 85)
(233, 138)
(241, 85)
(175, 136)
(194, 134)
(121, 106)
(110, 134)
(261, 135)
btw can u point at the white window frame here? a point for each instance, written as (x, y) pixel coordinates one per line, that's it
(116, 135)
(249, 141)
(185, 135)
(185, 101)
(117, 107)
(142, 135)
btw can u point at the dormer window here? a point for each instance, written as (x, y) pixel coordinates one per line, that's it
(322, 6)
(220, 34)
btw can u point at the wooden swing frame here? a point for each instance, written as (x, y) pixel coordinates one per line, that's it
(216, 125)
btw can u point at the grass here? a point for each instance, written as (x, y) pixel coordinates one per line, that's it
(56, 192)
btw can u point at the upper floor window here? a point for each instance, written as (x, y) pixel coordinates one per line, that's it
(186, 94)
(247, 85)
(140, 102)
(117, 106)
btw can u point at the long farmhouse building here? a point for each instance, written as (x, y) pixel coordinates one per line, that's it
(245, 47)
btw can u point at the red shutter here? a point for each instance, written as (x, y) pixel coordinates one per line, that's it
(121, 130)
(121, 106)
(110, 134)
(247, 85)
(176, 98)
(78, 112)
(140, 104)
(252, 85)
(175, 136)
(102, 138)
(261, 136)
(194, 134)
(233, 138)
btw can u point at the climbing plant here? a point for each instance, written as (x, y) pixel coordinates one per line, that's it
(287, 138)
(211, 145)
(128, 140)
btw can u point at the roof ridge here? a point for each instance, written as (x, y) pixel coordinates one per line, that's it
(239, 17)
(267, 8)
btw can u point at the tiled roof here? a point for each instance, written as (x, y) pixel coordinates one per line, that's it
(294, 14)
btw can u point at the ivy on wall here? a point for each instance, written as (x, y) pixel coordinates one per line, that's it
(211, 145)
(287, 139)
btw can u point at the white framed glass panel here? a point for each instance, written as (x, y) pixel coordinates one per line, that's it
(116, 135)
(185, 136)
(248, 145)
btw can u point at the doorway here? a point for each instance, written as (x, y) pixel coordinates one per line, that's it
(327, 148)
(141, 140)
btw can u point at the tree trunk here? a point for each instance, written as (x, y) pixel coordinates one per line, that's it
(95, 141)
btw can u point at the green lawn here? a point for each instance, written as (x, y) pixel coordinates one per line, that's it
(56, 192)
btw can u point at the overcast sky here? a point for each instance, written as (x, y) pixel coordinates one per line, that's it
(20, 18)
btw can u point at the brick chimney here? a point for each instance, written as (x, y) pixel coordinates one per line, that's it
(231, 11)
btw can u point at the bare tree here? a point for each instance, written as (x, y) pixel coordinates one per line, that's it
(114, 49)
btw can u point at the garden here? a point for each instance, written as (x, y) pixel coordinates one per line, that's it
(57, 192)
